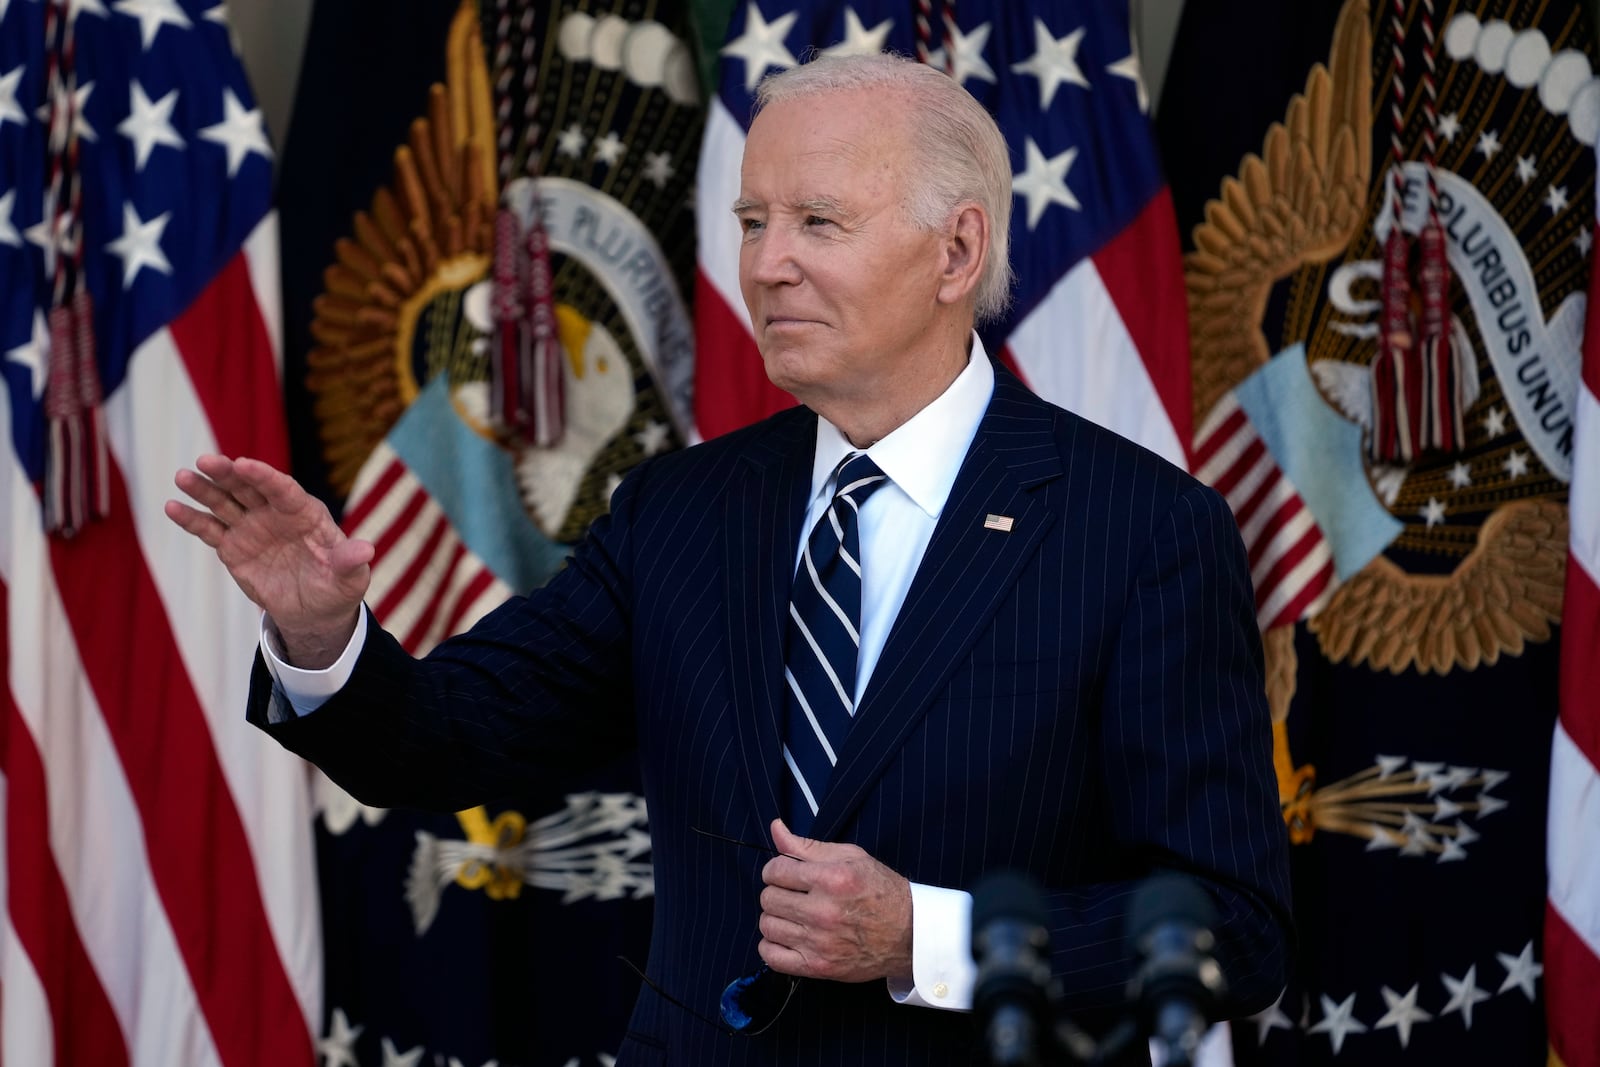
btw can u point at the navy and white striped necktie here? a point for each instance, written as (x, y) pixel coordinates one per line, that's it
(825, 640)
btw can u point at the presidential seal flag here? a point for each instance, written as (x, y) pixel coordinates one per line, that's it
(1387, 277)
(1097, 320)
(488, 330)
(159, 896)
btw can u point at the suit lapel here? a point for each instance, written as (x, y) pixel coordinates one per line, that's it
(967, 570)
(764, 509)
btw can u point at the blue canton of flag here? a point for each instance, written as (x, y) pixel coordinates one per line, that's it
(1098, 319)
(176, 172)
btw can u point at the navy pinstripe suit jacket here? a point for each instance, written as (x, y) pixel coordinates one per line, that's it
(1080, 698)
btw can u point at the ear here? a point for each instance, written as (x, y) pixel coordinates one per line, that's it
(966, 249)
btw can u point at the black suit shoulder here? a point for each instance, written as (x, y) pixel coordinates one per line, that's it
(1100, 469)
(760, 442)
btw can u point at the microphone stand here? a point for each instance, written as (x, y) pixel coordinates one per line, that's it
(1172, 996)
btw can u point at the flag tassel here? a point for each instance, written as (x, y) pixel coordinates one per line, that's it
(1396, 392)
(77, 466)
(527, 380)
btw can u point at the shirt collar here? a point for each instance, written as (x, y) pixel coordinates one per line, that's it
(924, 453)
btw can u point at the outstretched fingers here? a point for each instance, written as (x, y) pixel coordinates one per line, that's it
(271, 486)
(208, 528)
(209, 493)
(240, 477)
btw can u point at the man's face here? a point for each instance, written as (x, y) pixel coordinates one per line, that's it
(840, 286)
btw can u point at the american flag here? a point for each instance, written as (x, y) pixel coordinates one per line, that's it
(1291, 562)
(160, 905)
(427, 585)
(1572, 914)
(1099, 323)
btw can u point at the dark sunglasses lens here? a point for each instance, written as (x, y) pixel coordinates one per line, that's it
(754, 1002)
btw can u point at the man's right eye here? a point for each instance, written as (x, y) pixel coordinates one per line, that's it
(750, 225)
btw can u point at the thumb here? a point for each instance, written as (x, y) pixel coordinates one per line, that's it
(792, 844)
(351, 560)
(352, 554)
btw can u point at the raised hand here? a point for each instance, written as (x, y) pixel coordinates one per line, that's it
(282, 548)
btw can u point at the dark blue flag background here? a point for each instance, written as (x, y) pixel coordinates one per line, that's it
(491, 935)
(1414, 697)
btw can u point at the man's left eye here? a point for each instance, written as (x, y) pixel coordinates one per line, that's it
(817, 220)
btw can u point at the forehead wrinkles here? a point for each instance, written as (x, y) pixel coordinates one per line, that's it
(840, 175)
(846, 153)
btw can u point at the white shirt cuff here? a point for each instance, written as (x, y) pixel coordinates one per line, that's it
(942, 969)
(305, 690)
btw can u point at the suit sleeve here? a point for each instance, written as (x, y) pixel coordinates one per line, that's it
(541, 682)
(1186, 751)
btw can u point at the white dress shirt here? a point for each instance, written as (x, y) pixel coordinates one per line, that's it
(921, 458)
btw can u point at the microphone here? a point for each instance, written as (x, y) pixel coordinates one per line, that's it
(1177, 985)
(1011, 944)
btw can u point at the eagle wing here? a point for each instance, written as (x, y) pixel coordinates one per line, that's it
(1506, 591)
(438, 208)
(1300, 201)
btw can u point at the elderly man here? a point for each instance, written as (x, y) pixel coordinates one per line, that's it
(923, 627)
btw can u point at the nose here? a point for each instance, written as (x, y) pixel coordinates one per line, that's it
(769, 258)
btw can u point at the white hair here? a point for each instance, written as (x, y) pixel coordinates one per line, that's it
(960, 154)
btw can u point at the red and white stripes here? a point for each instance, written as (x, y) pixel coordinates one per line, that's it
(426, 583)
(160, 897)
(1572, 917)
(1291, 563)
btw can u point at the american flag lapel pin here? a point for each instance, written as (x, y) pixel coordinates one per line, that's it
(1003, 523)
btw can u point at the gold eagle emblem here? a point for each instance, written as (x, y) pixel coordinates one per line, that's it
(1281, 230)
